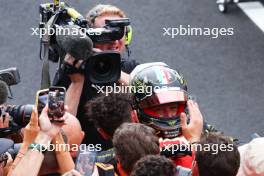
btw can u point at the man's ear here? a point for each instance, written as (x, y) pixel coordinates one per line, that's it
(120, 169)
(82, 135)
(134, 117)
(103, 134)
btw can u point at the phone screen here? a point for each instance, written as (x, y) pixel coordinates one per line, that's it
(56, 103)
(42, 99)
(85, 162)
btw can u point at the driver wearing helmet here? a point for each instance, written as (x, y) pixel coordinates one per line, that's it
(161, 108)
(165, 109)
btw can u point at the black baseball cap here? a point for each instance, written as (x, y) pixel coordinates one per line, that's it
(5, 144)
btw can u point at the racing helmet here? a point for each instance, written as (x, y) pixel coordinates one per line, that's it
(156, 85)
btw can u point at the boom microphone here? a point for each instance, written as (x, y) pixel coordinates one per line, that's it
(3, 92)
(75, 42)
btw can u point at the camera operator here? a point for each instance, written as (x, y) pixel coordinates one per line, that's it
(80, 89)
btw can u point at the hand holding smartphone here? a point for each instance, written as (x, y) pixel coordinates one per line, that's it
(54, 97)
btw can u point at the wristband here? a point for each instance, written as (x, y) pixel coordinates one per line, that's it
(39, 147)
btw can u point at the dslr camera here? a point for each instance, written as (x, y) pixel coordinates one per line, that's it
(20, 114)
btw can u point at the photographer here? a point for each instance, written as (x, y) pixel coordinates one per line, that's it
(7, 129)
(80, 89)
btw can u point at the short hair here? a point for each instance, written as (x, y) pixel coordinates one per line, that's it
(133, 141)
(224, 162)
(109, 112)
(102, 10)
(153, 165)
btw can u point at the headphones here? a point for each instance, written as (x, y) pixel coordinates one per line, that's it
(128, 35)
(94, 13)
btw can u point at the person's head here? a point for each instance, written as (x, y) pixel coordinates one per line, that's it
(133, 141)
(160, 96)
(109, 112)
(153, 165)
(252, 158)
(96, 18)
(219, 156)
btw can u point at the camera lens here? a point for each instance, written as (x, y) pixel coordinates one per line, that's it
(102, 66)
(20, 114)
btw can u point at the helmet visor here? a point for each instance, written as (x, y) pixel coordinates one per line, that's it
(164, 97)
(166, 110)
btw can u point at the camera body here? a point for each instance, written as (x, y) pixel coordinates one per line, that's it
(10, 76)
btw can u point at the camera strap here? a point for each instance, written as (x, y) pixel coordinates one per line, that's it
(45, 40)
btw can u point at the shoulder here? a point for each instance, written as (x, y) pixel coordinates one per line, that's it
(127, 65)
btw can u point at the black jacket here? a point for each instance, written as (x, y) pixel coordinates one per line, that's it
(91, 134)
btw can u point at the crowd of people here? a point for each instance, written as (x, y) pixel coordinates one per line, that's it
(155, 130)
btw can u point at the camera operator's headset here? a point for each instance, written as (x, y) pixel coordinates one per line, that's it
(128, 36)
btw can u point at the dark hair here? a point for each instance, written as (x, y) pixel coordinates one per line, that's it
(153, 165)
(132, 141)
(225, 162)
(109, 112)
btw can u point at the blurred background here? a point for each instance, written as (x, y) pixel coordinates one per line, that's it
(225, 74)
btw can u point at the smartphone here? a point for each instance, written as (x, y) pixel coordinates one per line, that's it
(85, 162)
(56, 98)
(41, 99)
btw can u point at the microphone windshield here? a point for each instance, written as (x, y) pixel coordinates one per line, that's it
(73, 40)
